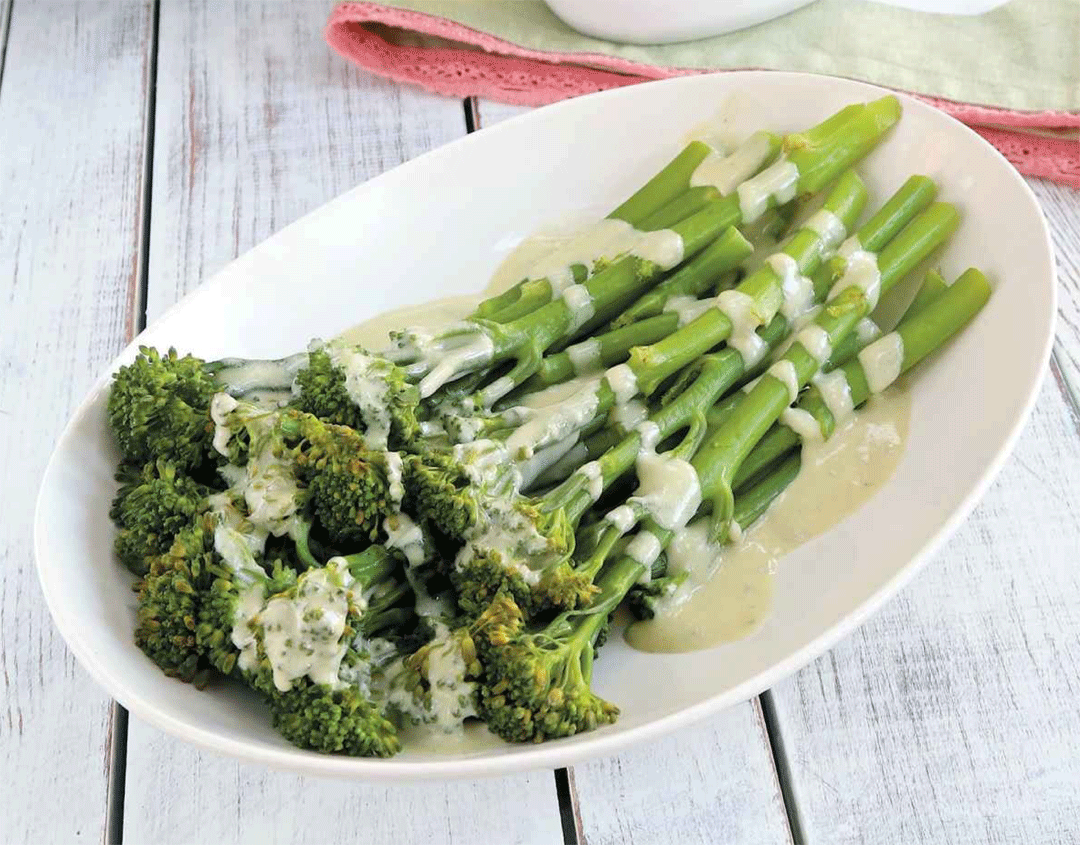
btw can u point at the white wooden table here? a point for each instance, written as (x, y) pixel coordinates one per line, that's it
(143, 147)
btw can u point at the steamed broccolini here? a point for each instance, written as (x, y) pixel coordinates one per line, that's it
(371, 541)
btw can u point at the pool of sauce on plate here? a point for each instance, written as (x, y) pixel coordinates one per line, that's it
(730, 594)
(374, 332)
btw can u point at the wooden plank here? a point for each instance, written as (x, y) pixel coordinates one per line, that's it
(951, 716)
(711, 783)
(488, 112)
(176, 793)
(1062, 208)
(258, 123)
(5, 19)
(72, 108)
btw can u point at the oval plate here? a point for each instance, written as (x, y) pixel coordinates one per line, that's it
(431, 228)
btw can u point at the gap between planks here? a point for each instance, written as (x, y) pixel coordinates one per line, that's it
(5, 31)
(118, 728)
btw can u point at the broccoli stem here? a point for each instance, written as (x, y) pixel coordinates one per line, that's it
(720, 458)
(612, 348)
(535, 293)
(654, 364)
(682, 283)
(780, 439)
(658, 204)
(527, 338)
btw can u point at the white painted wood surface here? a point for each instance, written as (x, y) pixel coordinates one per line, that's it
(952, 716)
(256, 124)
(711, 783)
(72, 106)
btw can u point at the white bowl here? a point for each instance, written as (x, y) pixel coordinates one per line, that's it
(429, 229)
(662, 21)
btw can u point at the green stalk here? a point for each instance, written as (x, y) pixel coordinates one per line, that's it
(688, 202)
(820, 153)
(527, 338)
(665, 186)
(613, 349)
(682, 283)
(753, 501)
(821, 157)
(719, 459)
(717, 372)
(654, 364)
(780, 439)
(535, 293)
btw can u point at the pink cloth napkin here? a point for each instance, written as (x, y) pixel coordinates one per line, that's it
(1037, 143)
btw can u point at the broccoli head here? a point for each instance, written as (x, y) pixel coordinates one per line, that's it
(537, 681)
(525, 551)
(436, 684)
(346, 386)
(158, 408)
(169, 601)
(154, 502)
(322, 718)
(350, 486)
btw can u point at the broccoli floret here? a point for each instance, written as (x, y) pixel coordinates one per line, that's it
(537, 680)
(294, 461)
(387, 414)
(438, 488)
(643, 600)
(523, 553)
(436, 684)
(507, 542)
(296, 639)
(321, 718)
(169, 601)
(158, 407)
(350, 486)
(154, 502)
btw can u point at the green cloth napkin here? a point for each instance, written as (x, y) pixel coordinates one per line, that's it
(1024, 55)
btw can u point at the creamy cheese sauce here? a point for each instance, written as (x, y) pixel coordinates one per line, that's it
(668, 489)
(796, 290)
(828, 226)
(861, 271)
(552, 255)
(303, 634)
(727, 172)
(595, 478)
(728, 591)
(374, 332)
(579, 301)
(629, 414)
(740, 310)
(585, 356)
(815, 340)
(556, 413)
(882, 361)
(835, 393)
(688, 308)
(784, 372)
(776, 183)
